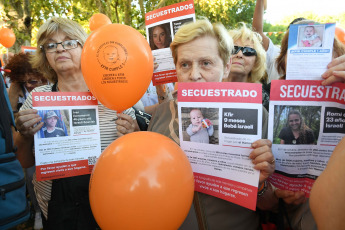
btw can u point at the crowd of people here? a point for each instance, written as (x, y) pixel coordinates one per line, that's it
(202, 52)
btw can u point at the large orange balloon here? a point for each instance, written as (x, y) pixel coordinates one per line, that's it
(7, 37)
(143, 180)
(117, 65)
(340, 34)
(98, 20)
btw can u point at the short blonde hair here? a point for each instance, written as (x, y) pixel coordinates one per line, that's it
(45, 32)
(191, 31)
(244, 34)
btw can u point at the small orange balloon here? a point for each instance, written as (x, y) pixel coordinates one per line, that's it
(98, 20)
(117, 65)
(7, 37)
(143, 180)
(340, 34)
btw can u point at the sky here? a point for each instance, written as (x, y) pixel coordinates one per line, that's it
(278, 9)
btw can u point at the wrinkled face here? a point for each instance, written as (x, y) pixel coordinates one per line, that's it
(294, 122)
(51, 122)
(199, 61)
(159, 37)
(241, 64)
(196, 117)
(309, 31)
(110, 54)
(63, 60)
(31, 82)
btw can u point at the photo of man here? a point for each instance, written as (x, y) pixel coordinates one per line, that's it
(50, 121)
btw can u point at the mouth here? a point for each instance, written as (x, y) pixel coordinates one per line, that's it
(237, 63)
(61, 58)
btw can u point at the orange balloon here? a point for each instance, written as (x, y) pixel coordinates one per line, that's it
(340, 34)
(143, 180)
(98, 20)
(117, 65)
(7, 37)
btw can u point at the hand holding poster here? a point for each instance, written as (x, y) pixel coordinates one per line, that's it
(306, 122)
(69, 142)
(161, 26)
(218, 122)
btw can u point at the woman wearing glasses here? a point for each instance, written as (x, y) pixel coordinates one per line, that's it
(248, 57)
(23, 79)
(64, 202)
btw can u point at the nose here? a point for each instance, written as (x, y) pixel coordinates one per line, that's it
(195, 74)
(159, 38)
(239, 54)
(59, 48)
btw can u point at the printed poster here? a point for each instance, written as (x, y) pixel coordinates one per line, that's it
(306, 122)
(218, 122)
(161, 27)
(309, 45)
(68, 144)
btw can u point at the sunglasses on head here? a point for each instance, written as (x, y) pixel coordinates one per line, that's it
(247, 51)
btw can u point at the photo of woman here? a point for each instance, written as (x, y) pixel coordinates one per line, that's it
(296, 125)
(160, 36)
(296, 132)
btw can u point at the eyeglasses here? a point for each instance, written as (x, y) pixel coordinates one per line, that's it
(67, 45)
(32, 82)
(247, 51)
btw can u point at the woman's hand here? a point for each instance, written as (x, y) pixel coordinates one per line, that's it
(263, 158)
(26, 122)
(126, 124)
(291, 197)
(335, 72)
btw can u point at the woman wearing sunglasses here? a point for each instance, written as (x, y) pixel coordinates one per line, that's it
(248, 57)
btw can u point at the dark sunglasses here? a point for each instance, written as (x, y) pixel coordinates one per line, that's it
(247, 51)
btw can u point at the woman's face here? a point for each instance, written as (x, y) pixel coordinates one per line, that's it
(294, 122)
(242, 65)
(199, 61)
(159, 37)
(31, 82)
(64, 60)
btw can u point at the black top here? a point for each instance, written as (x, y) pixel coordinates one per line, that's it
(287, 135)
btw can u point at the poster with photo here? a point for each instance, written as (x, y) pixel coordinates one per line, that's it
(218, 121)
(309, 50)
(68, 144)
(306, 122)
(28, 49)
(161, 26)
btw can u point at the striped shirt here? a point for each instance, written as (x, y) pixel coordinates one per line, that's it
(108, 132)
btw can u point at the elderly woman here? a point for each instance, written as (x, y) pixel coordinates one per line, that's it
(64, 202)
(248, 56)
(297, 204)
(201, 52)
(23, 79)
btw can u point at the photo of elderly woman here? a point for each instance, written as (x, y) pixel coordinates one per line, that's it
(296, 125)
(160, 36)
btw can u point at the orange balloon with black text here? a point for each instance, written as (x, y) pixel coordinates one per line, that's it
(98, 20)
(340, 34)
(117, 65)
(143, 180)
(7, 37)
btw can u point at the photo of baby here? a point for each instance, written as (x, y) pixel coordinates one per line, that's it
(200, 125)
(310, 36)
(200, 129)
